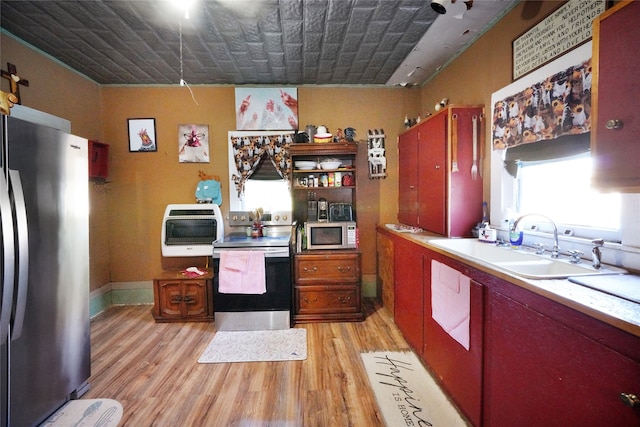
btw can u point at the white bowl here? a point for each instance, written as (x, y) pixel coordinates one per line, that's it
(305, 165)
(330, 165)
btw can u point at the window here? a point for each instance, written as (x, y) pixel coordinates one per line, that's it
(560, 189)
(270, 195)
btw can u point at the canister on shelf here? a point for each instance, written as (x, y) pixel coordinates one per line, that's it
(331, 179)
(338, 179)
(310, 181)
(324, 178)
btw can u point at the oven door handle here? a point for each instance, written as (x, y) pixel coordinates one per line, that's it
(268, 252)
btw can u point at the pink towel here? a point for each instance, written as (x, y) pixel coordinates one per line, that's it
(451, 301)
(242, 272)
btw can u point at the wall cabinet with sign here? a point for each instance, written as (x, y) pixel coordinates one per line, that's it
(179, 298)
(616, 88)
(438, 191)
(98, 160)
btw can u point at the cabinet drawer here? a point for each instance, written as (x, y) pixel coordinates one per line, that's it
(321, 299)
(323, 269)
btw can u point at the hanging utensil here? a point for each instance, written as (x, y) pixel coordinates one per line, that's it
(454, 143)
(482, 130)
(474, 166)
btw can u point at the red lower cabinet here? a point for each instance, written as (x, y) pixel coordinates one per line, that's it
(539, 371)
(408, 291)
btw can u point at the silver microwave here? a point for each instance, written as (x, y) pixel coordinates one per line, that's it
(190, 230)
(331, 235)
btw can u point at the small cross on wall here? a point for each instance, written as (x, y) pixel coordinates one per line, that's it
(14, 80)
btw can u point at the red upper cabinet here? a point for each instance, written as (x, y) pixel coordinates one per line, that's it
(98, 160)
(434, 195)
(615, 133)
(408, 177)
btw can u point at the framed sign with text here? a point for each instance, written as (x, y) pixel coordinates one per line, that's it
(564, 29)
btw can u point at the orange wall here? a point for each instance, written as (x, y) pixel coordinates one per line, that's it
(142, 184)
(57, 90)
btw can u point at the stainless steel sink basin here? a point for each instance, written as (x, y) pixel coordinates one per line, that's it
(520, 262)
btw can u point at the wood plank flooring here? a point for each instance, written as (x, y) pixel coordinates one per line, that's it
(151, 368)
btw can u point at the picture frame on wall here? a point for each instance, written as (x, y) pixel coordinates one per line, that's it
(266, 108)
(193, 143)
(142, 135)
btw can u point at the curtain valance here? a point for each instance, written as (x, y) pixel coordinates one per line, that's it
(251, 148)
(556, 106)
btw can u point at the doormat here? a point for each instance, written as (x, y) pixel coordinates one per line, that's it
(86, 413)
(256, 346)
(406, 393)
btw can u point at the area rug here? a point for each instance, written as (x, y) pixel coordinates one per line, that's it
(256, 346)
(405, 392)
(86, 413)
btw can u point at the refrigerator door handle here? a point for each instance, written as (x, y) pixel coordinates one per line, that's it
(8, 255)
(22, 232)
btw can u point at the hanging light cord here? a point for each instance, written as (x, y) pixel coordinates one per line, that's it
(182, 81)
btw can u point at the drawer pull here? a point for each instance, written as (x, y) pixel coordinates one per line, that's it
(189, 299)
(614, 124)
(310, 301)
(176, 299)
(344, 270)
(630, 399)
(311, 269)
(344, 300)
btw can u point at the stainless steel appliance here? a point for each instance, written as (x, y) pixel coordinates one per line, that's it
(190, 229)
(323, 210)
(271, 310)
(331, 235)
(340, 212)
(44, 318)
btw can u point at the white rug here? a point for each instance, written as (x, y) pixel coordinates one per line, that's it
(86, 413)
(406, 393)
(256, 346)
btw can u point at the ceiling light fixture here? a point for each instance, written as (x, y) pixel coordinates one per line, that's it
(457, 8)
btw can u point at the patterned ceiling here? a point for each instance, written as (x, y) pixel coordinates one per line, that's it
(244, 42)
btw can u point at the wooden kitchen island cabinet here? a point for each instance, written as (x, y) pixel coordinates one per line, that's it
(327, 286)
(179, 298)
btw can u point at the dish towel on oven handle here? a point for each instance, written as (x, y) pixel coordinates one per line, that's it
(242, 272)
(451, 301)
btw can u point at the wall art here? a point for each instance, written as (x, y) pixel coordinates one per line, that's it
(266, 108)
(193, 143)
(142, 135)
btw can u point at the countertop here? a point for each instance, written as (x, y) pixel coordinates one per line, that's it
(617, 312)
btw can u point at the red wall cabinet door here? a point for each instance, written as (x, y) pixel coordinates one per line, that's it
(408, 177)
(616, 124)
(98, 160)
(432, 199)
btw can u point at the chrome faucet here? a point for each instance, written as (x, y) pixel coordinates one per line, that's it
(555, 251)
(596, 254)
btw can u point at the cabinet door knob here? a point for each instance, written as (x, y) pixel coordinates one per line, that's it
(176, 299)
(437, 166)
(630, 399)
(613, 124)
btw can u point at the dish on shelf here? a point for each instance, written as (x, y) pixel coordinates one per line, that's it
(330, 164)
(305, 165)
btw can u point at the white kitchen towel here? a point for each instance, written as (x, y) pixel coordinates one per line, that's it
(451, 301)
(242, 272)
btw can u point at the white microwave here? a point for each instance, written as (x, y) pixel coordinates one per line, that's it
(331, 235)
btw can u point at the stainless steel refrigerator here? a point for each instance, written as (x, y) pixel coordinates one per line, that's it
(44, 308)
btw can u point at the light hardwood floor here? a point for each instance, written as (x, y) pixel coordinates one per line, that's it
(151, 368)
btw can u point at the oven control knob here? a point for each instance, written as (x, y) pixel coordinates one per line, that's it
(243, 218)
(284, 217)
(277, 217)
(234, 218)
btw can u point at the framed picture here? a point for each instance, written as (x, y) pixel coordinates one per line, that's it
(142, 135)
(266, 108)
(565, 28)
(193, 143)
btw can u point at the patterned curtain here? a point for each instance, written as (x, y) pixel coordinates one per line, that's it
(559, 105)
(252, 148)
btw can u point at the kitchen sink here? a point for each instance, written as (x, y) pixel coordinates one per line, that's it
(520, 262)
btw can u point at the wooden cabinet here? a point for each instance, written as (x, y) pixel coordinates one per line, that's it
(459, 370)
(385, 276)
(434, 194)
(178, 298)
(302, 192)
(615, 132)
(327, 282)
(546, 364)
(408, 290)
(327, 286)
(408, 177)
